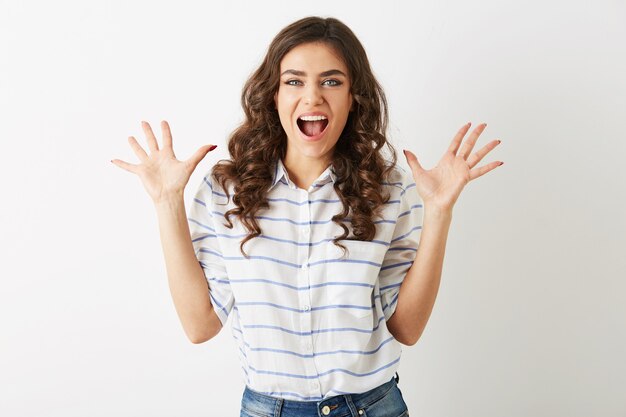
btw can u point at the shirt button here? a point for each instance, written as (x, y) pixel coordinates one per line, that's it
(326, 410)
(307, 307)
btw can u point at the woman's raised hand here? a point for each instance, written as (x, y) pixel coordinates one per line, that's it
(161, 173)
(441, 186)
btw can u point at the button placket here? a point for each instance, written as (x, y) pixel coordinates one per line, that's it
(304, 294)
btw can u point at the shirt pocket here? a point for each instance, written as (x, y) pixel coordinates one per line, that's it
(351, 277)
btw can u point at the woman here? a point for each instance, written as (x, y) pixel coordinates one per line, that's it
(330, 282)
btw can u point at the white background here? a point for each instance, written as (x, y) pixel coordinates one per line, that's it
(530, 319)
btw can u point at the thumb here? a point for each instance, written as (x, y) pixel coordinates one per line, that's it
(411, 159)
(195, 159)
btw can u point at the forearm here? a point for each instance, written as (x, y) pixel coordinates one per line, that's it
(421, 283)
(187, 282)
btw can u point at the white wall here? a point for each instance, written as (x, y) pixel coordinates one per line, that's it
(530, 319)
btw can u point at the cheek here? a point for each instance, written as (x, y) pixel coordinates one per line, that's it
(342, 100)
(284, 102)
(285, 112)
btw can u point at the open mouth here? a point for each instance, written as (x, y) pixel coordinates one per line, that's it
(312, 126)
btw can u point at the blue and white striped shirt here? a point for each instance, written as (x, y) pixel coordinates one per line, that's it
(309, 324)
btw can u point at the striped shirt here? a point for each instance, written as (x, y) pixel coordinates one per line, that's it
(309, 323)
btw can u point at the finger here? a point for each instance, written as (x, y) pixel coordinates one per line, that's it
(456, 141)
(125, 165)
(167, 134)
(480, 154)
(477, 172)
(141, 154)
(152, 142)
(411, 159)
(195, 159)
(468, 145)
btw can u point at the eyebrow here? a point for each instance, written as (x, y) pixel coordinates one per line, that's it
(322, 74)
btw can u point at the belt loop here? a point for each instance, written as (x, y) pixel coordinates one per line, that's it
(278, 407)
(351, 406)
(397, 377)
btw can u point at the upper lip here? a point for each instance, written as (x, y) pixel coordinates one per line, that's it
(314, 113)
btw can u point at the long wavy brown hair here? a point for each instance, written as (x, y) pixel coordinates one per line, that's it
(257, 143)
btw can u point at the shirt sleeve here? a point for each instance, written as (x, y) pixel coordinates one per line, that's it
(205, 241)
(403, 246)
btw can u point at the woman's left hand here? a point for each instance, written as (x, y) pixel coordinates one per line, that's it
(441, 186)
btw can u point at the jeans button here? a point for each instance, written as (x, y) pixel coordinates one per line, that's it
(326, 410)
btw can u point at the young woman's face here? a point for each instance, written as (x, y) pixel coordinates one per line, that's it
(314, 81)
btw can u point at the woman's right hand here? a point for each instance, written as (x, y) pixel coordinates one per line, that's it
(161, 173)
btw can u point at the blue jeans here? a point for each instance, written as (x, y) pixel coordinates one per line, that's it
(383, 401)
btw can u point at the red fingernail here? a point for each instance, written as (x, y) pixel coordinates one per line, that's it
(501, 163)
(212, 147)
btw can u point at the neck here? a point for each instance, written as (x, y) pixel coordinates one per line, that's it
(303, 171)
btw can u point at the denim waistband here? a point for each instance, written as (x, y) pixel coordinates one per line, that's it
(344, 404)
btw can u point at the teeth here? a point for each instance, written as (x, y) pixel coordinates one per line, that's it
(312, 118)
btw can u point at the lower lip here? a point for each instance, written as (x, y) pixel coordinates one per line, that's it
(312, 138)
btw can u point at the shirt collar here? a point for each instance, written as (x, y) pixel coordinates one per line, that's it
(280, 172)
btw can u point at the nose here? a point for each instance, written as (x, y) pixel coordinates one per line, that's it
(313, 95)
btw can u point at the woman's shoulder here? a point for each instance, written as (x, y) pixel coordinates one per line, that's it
(399, 177)
(213, 186)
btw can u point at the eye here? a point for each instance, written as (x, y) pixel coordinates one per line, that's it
(336, 82)
(292, 81)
